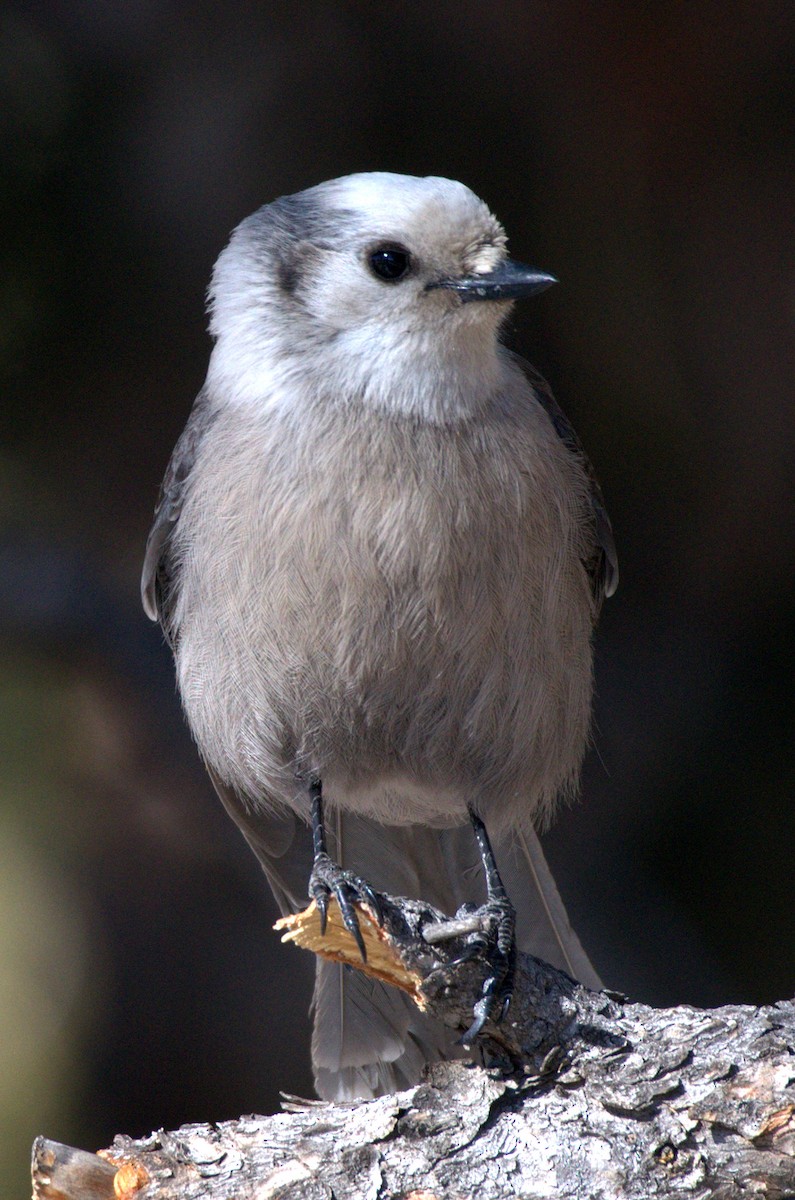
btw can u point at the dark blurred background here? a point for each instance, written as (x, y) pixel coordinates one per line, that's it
(645, 155)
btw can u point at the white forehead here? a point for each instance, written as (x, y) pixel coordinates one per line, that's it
(399, 205)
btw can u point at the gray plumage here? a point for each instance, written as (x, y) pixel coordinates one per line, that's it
(378, 556)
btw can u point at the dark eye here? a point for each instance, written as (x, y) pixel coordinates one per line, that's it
(390, 263)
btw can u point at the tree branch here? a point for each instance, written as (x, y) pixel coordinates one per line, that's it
(581, 1094)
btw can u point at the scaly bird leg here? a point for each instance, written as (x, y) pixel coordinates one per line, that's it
(492, 939)
(330, 879)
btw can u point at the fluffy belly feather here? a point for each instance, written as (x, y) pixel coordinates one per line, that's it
(407, 620)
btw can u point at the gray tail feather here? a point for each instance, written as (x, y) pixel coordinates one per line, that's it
(542, 924)
(369, 1039)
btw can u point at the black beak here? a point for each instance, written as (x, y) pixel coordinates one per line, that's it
(509, 281)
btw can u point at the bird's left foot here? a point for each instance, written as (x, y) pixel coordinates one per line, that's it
(489, 936)
(495, 943)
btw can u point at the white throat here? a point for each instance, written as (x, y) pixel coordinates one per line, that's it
(416, 374)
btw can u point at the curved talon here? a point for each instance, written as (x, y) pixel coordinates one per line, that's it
(483, 1008)
(474, 950)
(321, 900)
(329, 879)
(492, 944)
(343, 893)
(481, 1017)
(372, 899)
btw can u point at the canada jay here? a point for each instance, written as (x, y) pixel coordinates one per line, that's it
(378, 556)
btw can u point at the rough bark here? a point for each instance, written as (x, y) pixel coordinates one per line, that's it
(579, 1094)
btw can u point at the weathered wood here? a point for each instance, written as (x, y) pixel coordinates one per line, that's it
(580, 1094)
(61, 1172)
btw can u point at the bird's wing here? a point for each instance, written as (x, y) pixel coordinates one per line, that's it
(159, 577)
(281, 842)
(603, 568)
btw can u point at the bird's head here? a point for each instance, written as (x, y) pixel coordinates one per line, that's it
(375, 288)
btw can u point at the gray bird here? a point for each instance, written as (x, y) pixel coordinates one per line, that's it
(378, 556)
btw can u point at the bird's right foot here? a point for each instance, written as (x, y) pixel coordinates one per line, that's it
(330, 879)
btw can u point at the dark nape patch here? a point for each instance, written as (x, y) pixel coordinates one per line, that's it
(303, 219)
(288, 275)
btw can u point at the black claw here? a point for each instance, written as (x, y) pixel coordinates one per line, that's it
(321, 900)
(329, 879)
(372, 898)
(481, 1017)
(354, 929)
(345, 894)
(492, 944)
(494, 1001)
(476, 948)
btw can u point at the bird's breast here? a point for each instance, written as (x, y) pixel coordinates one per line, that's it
(373, 599)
